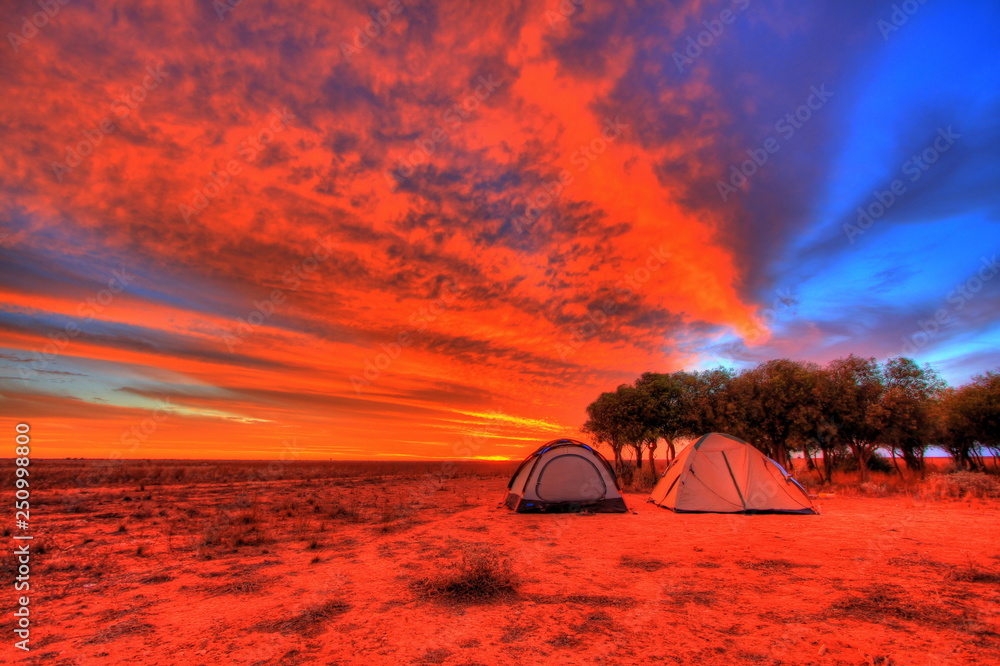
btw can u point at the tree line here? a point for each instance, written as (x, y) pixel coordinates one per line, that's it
(847, 410)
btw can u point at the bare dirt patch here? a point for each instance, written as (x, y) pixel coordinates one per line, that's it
(259, 570)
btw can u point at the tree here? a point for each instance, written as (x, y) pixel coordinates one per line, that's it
(705, 401)
(969, 418)
(604, 423)
(663, 412)
(778, 402)
(984, 410)
(952, 414)
(905, 412)
(857, 387)
(633, 410)
(821, 433)
(851, 407)
(615, 419)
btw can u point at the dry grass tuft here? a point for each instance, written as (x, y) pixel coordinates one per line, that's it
(973, 573)
(641, 563)
(129, 627)
(309, 623)
(241, 527)
(634, 480)
(480, 575)
(776, 564)
(243, 586)
(960, 485)
(686, 594)
(883, 603)
(877, 603)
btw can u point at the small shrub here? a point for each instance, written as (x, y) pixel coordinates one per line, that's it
(635, 480)
(961, 485)
(338, 510)
(480, 575)
(973, 573)
(875, 464)
(309, 623)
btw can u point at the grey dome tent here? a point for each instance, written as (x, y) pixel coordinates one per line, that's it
(723, 474)
(565, 476)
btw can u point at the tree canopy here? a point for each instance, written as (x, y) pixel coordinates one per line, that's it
(849, 409)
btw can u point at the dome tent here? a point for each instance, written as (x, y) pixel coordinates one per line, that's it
(723, 474)
(564, 476)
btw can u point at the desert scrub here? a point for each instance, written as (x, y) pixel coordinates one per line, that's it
(870, 488)
(961, 485)
(481, 574)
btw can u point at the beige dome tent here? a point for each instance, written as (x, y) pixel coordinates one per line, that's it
(565, 475)
(723, 474)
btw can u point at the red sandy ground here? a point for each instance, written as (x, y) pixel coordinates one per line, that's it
(870, 581)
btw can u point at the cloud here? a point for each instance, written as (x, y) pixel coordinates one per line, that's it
(488, 208)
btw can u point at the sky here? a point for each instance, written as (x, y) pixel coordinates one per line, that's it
(315, 230)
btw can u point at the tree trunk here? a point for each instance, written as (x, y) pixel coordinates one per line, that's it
(914, 458)
(827, 473)
(638, 454)
(861, 455)
(810, 463)
(652, 461)
(895, 463)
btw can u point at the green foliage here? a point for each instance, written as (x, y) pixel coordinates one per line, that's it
(851, 408)
(969, 420)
